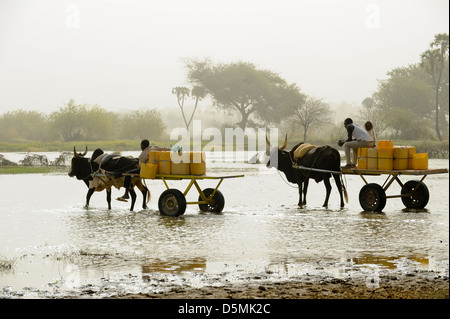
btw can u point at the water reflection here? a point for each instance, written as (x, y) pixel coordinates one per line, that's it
(391, 262)
(176, 265)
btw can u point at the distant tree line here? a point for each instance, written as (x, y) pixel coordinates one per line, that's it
(80, 122)
(413, 102)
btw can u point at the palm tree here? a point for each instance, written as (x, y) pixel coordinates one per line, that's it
(434, 62)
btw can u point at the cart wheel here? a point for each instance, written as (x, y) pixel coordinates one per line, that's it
(216, 203)
(172, 203)
(418, 199)
(372, 197)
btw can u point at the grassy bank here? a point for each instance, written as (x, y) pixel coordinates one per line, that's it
(435, 149)
(58, 146)
(33, 170)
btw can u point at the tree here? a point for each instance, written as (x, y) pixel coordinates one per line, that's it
(312, 111)
(406, 88)
(82, 122)
(29, 125)
(242, 87)
(406, 124)
(371, 113)
(98, 123)
(197, 93)
(142, 124)
(67, 122)
(434, 61)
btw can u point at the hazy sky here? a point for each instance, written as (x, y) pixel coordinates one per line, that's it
(125, 54)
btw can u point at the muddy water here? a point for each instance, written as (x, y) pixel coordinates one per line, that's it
(58, 248)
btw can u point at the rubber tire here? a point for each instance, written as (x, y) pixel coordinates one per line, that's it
(217, 206)
(420, 197)
(372, 197)
(172, 203)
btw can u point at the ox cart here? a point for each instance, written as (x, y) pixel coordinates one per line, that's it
(372, 196)
(172, 202)
(414, 193)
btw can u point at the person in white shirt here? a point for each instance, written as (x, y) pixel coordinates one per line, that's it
(369, 127)
(357, 137)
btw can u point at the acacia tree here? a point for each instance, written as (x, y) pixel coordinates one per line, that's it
(312, 111)
(434, 61)
(244, 88)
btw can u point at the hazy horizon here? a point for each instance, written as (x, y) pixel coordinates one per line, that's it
(125, 55)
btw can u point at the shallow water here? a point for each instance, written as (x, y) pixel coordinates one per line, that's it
(59, 248)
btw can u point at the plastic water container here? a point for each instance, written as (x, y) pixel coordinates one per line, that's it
(420, 161)
(400, 157)
(411, 152)
(153, 157)
(164, 164)
(372, 158)
(362, 158)
(180, 163)
(385, 155)
(148, 171)
(198, 164)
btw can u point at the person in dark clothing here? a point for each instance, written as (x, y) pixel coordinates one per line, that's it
(143, 158)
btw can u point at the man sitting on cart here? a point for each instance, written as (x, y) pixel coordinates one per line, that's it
(357, 137)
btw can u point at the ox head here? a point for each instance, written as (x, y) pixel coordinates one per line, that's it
(276, 153)
(80, 165)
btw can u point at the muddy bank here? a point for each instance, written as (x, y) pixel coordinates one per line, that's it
(409, 286)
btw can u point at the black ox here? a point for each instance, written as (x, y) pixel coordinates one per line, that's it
(83, 168)
(323, 158)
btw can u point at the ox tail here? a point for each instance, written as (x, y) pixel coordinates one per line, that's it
(344, 189)
(148, 192)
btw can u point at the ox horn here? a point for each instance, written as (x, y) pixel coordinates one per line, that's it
(284, 145)
(267, 141)
(75, 152)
